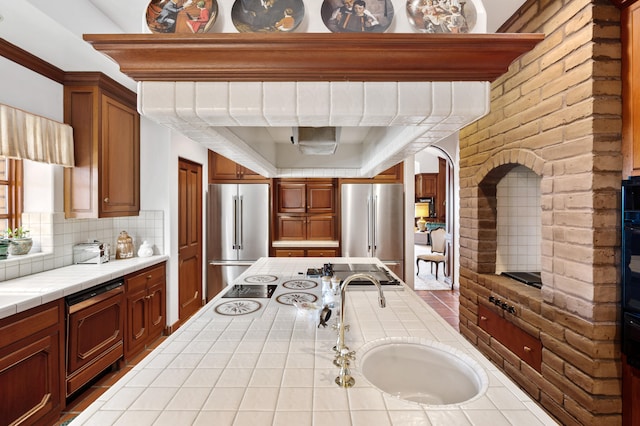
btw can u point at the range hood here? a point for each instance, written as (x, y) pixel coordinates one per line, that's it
(387, 96)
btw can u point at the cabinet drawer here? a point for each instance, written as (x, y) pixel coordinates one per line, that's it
(25, 324)
(146, 277)
(322, 253)
(524, 345)
(289, 253)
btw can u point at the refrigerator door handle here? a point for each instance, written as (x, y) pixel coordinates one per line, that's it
(374, 223)
(240, 223)
(235, 220)
(368, 218)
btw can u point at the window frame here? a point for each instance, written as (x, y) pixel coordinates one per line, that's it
(15, 192)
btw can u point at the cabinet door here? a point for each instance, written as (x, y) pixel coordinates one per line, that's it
(321, 198)
(426, 184)
(120, 168)
(292, 197)
(392, 174)
(292, 227)
(220, 167)
(630, 27)
(29, 381)
(156, 307)
(320, 227)
(137, 319)
(32, 366)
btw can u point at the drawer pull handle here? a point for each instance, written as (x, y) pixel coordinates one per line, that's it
(106, 200)
(527, 349)
(483, 318)
(149, 276)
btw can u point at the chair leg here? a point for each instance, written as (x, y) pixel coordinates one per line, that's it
(417, 266)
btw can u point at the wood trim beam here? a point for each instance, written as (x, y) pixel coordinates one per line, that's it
(32, 62)
(314, 56)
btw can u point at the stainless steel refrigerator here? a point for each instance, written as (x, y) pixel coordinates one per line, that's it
(237, 231)
(373, 223)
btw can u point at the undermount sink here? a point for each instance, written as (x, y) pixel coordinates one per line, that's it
(422, 371)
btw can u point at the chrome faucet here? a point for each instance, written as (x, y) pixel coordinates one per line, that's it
(343, 355)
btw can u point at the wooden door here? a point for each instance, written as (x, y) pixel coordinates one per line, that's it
(189, 239)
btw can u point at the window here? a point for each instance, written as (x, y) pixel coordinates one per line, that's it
(10, 193)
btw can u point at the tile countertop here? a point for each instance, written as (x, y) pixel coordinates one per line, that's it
(274, 366)
(20, 294)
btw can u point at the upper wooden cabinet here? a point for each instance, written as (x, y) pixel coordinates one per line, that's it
(105, 181)
(426, 185)
(306, 209)
(306, 197)
(630, 23)
(223, 169)
(393, 174)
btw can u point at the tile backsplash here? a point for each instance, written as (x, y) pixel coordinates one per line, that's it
(54, 238)
(518, 224)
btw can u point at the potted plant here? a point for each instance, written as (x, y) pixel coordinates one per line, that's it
(20, 242)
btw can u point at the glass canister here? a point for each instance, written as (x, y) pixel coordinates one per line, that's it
(124, 246)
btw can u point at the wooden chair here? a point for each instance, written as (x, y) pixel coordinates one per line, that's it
(438, 248)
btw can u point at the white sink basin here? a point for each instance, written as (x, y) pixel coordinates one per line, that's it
(422, 371)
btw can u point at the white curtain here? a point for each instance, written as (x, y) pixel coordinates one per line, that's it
(31, 137)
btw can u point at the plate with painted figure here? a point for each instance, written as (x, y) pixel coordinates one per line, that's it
(181, 16)
(296, 297)
(357, 16)
(267, 16)
(441, 16)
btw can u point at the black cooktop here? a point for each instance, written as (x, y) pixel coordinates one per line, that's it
(244, 291)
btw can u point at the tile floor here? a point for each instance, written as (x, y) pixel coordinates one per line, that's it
(444, 302)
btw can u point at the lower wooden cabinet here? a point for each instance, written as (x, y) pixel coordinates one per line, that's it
(521, 343)
(630, 394)
(146, 308)
(298, 252)
(31, 366)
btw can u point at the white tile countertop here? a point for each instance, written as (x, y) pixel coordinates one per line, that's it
(274, 366)
(20, 294)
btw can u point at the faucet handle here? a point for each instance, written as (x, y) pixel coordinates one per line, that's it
(336, 326)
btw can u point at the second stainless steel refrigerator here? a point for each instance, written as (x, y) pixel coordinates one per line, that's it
(373, 223)
(237, 231)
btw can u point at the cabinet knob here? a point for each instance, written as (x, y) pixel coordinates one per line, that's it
(149, 276)
(106, 200)
(483, 318)
(527, 349)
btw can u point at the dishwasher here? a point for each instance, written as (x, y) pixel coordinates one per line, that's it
(95, 332)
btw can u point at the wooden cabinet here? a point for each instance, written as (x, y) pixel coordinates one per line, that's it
(524, 345)
(630, 394)
(426, 185)
(32, 366)
(223, 169)
(298, 252)
(105, 181)
(305, 209)
(146, 307)
(630, 28)
(393, 174)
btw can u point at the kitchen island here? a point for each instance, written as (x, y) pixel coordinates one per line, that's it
(256, 360)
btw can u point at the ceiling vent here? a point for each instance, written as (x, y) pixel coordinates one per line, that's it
(316, 140)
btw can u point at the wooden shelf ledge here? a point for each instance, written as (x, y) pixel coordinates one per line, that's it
(314, 56)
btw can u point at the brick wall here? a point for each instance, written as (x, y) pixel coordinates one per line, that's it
(556, 111)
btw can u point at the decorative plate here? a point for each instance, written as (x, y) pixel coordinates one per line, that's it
(260, 279)
(296, 297)
(441, 16)
(238, 307)
(254, 16)
(357, 16)
(300, 284)
(181, 16)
